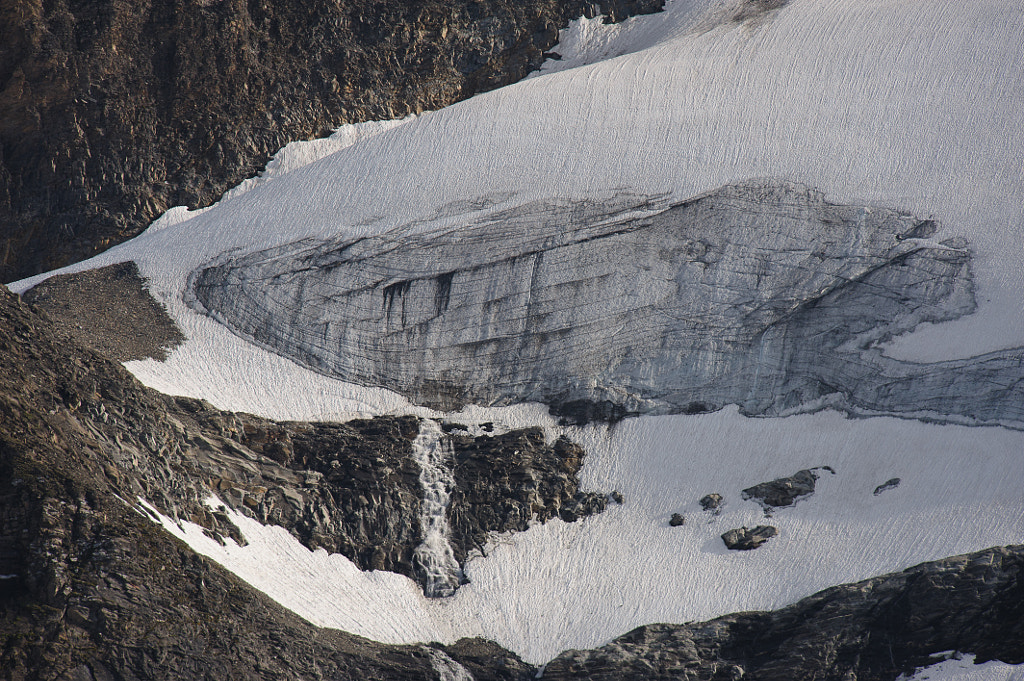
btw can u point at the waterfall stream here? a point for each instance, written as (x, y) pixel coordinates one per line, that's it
(434, 555)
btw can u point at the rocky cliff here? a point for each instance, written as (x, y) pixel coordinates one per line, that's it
(111, 113)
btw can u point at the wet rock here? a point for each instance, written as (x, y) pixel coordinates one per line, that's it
(505, 482)
(744, 539)
(582, 412)
(889, 484)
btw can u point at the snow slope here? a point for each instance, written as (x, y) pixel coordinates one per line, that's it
(906, 105)
(577, 585)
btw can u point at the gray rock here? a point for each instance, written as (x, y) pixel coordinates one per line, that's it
(745, 539)
(783, 491)
(892, 483)
(712, 503)
(760, 294)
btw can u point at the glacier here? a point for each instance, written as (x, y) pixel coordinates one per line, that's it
(759, 294)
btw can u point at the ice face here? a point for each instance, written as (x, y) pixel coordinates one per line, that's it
(760, 294)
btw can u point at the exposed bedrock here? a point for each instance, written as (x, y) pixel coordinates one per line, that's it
(94, 590)
(760, 294)
(785, 491)
(748, 539)
(356, 488)
(352, 488)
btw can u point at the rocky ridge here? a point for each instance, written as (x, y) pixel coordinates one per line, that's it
(873, 630)
(112, 113)
(351, 488)
(92, 588)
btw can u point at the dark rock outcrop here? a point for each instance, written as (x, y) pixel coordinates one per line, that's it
(873, 630)
(889, 484)
(92, 588)
(760, 294)
(354, 489)
(350, 488)
(676, 520)
(746, 539)
(784, 491)
(712, 503)
(504, 483)
(111, 113)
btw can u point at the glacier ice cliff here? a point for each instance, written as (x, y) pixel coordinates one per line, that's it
(761, 294)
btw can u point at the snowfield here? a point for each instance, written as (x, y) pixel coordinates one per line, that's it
(903, 105)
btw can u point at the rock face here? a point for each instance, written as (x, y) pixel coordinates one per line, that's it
(111, 113)
(504, 483)
(761, 294)
(870, 631)
(110, 311)
(349, 488)
(91, 588)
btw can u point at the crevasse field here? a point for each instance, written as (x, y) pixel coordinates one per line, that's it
(914, 106)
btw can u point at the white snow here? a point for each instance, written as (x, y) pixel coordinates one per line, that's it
(909, 105)
(963, 668)
(588, 41)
